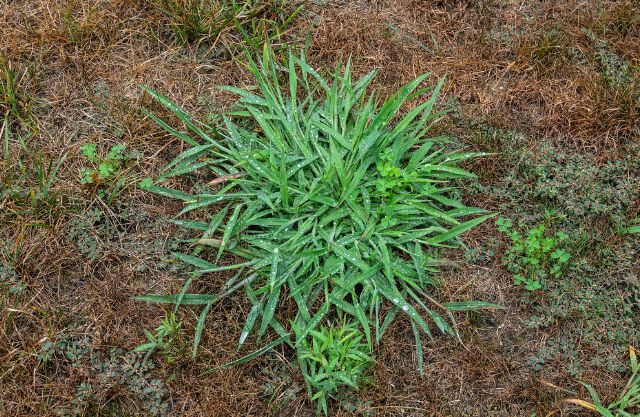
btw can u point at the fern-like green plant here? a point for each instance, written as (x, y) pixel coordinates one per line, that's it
(329, 204)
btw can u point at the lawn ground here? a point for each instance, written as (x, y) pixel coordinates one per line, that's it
(551, 88)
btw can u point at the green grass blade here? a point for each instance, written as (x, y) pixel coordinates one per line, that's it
(252, 355)
(187, 299)
(470, 305)
(457, 230)
(416, 335)
(199, 327)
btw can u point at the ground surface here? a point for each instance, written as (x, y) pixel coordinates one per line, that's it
(551, 87)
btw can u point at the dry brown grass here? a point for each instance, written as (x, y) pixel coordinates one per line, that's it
(527, 82)
(503, 61)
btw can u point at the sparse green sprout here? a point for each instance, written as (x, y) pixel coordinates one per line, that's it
(145, 183)
(534, 257)
(163, 338)
(107, 168)
(109, 172)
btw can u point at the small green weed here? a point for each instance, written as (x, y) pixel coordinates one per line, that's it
(163, 339)
(336, 358)
(77, 24)
(108, 167)
(535, 257)
(545, 50)
(108, 172)
(130, 370)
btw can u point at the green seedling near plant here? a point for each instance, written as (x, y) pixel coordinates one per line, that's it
(164, 337)
(335, 359)
(296, 181)
(107, 168)
(534, 257)
(109, 171)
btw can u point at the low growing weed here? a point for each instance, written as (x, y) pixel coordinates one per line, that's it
(107, 172)
(628, 402)
(128, 232)
(535, 257)
(593, 305)
(103, 371)
(329, 205)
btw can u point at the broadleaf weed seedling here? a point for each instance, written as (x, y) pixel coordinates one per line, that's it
(108, 171)
(535, 256)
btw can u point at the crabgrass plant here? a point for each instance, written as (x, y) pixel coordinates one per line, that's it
(329, 205)
(336, 358)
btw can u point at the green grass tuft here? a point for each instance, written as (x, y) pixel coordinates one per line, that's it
(329, 204)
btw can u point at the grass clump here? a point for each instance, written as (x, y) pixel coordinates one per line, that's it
(14, 103)
(195, 21)
(335, 358)
(330, 206)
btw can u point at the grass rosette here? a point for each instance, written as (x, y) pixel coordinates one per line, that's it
(335, 359)
(329, 205)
